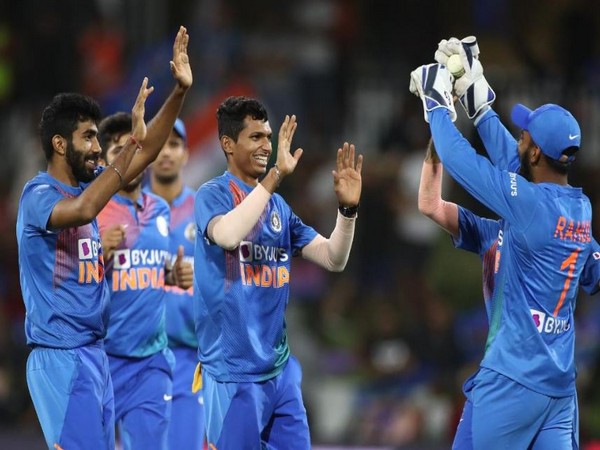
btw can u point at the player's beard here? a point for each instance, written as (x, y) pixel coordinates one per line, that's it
(525, 169)
(76, 160)
(166, 179)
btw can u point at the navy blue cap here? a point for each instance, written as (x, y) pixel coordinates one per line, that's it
(179, 128)
(552, 128)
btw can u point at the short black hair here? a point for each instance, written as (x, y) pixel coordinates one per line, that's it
(112, 128)
(62, 117)
(232, 112)
(559, 166)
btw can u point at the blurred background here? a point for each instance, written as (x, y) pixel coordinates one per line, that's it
(386, 345)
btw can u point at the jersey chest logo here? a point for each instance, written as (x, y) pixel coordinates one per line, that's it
(275, 221)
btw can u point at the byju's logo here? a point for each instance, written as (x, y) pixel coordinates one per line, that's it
(245, 251)
(548, 324)
(538, 318)
(122, 259)
(87, 248)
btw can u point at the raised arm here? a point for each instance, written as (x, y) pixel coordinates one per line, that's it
(333, 253)
(431, 203)
(228, 230)
(161, 124)
(82, 209)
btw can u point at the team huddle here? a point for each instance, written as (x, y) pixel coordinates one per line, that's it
(156, 313)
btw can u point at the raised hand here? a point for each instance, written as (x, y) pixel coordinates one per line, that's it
(347, 179)
(138, 126)
(286, 161)
(183, 272)
(180, 65)
(111, 240)
(432, 83)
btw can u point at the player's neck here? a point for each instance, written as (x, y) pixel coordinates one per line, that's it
(133, 194)
(169, 191)
(62, 174)
(550, 176)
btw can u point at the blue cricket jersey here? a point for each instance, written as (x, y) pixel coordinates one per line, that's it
(61, 271)
(179, 302)
(480, 235)
(502, 150)
(136, 275)
(544, 240)
(240, 296)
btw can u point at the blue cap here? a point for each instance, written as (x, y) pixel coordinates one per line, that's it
(179, 128)
(552, 128)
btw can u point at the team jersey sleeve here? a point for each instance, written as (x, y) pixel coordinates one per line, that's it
(500, 145)
(38, 202)
(476, 234)
(590, 276)
(506, 193)
(211, 201)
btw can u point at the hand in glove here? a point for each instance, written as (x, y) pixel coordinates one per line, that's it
(432, 83)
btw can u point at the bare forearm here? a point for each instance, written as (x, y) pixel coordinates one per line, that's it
(159, 129)
(430, 201)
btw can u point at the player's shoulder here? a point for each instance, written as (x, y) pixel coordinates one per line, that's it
(41, 184)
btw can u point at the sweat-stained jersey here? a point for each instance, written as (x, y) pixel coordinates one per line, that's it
(136, 275)
(61, 271)
(544, 241)
(240, 296)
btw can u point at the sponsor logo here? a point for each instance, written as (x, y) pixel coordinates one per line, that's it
(87, 248)
(167, 397)
(259, 265)
(513, 184)
(122, 259)
(547, 324)
(249, 252)
(596, 255)
(573, 136)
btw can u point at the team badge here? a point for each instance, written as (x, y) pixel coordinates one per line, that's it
(275, 221)
(162, 225)
(190, 232)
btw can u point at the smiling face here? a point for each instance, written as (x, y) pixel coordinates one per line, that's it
(83, 151)
(248, 157)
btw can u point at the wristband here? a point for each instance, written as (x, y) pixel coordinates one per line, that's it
(277, 172)
(135, 141)
(348, 211)
(118, 172)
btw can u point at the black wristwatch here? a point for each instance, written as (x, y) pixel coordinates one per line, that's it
(348, 211)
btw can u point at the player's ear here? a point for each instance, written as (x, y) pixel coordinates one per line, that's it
(60, 144)
(227, 144)
(535, 154)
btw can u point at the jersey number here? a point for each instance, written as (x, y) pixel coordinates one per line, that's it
(569, 264)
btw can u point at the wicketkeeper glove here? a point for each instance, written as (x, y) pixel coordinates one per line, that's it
(472, 89)
(432, 83)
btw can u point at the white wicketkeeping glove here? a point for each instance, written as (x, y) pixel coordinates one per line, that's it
(432, 83)
(472, 89)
